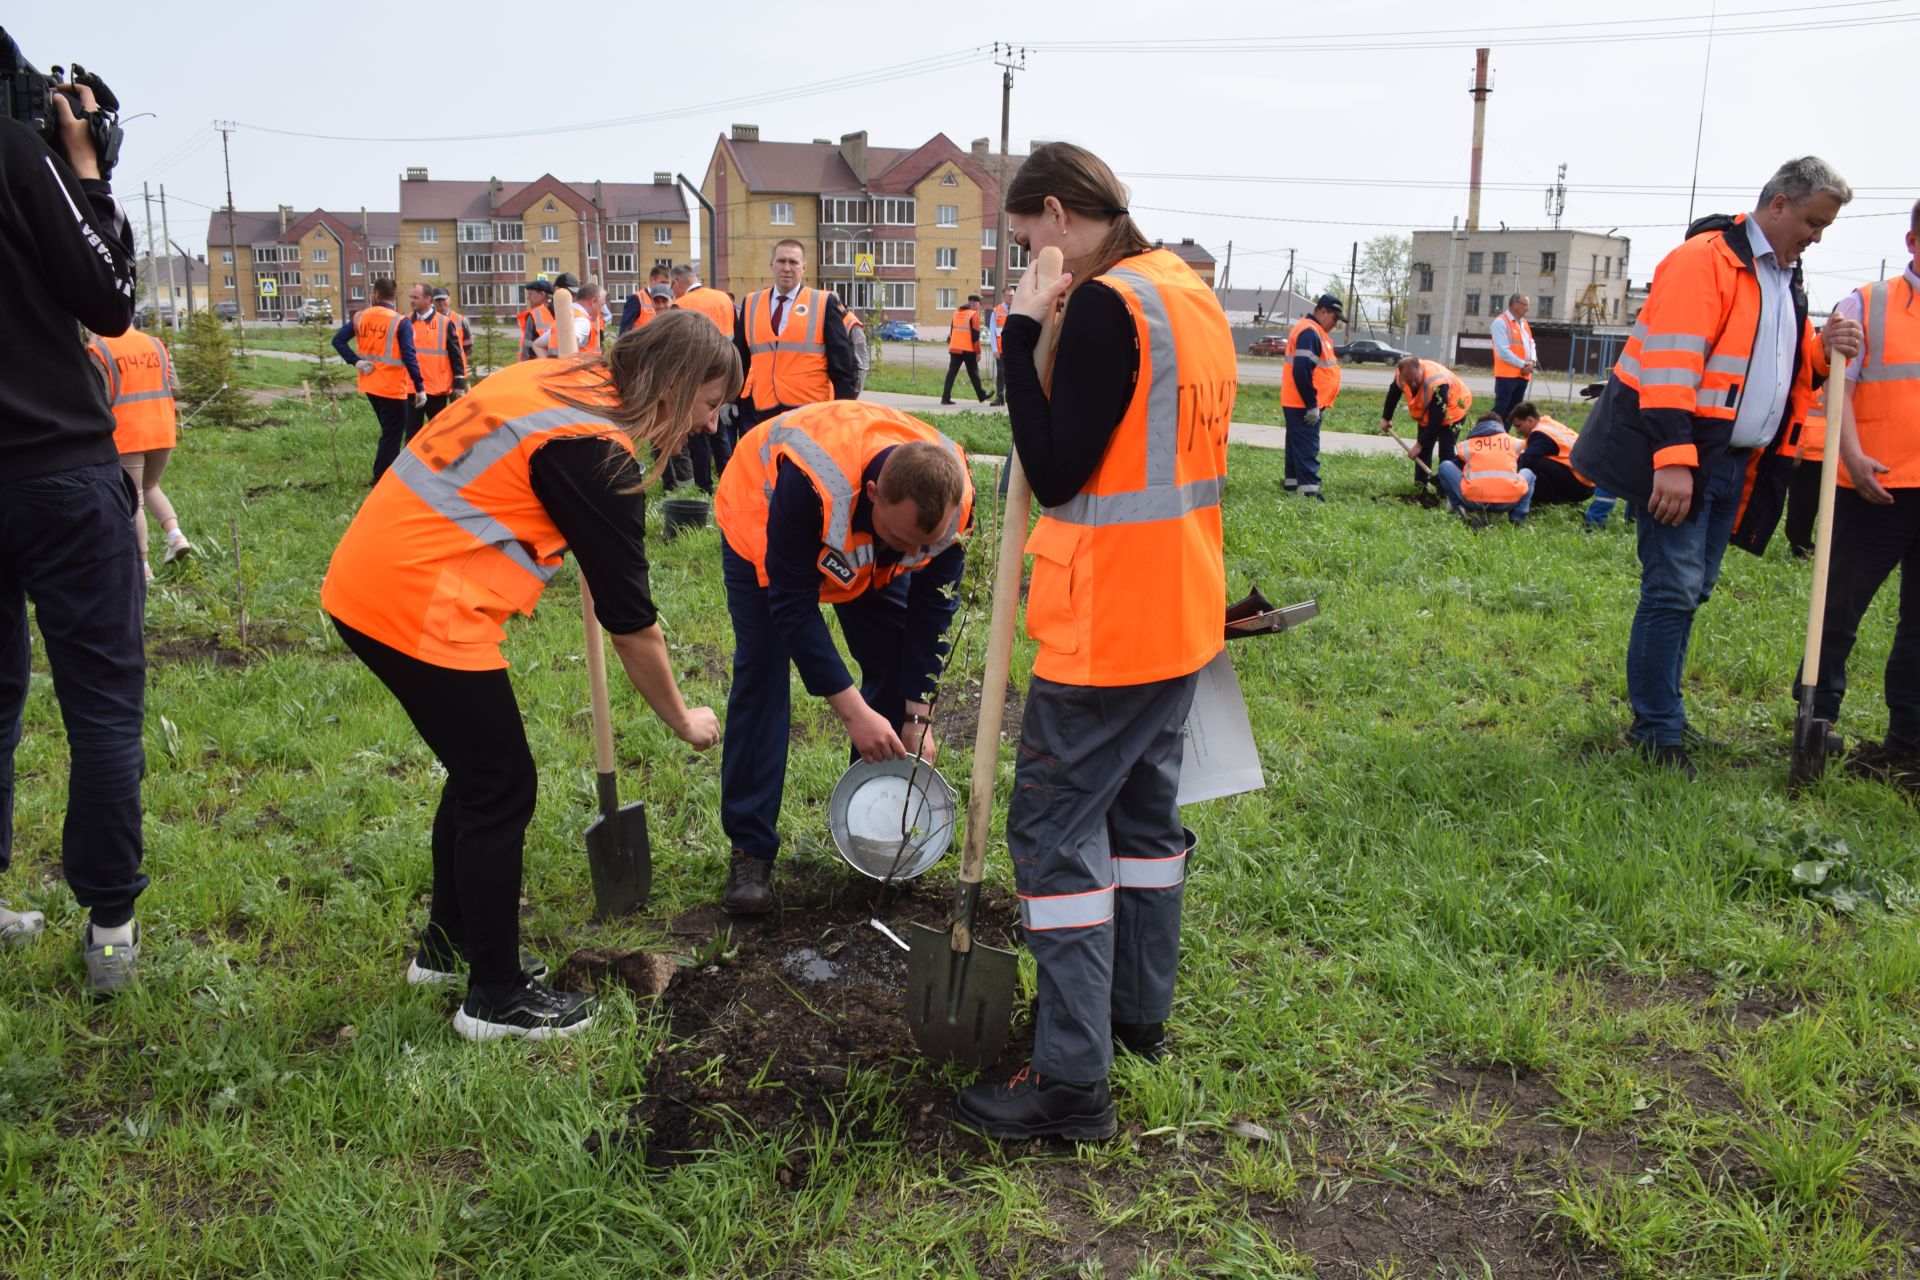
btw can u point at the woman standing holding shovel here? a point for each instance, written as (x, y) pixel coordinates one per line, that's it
(1127, 602)
(466, 530)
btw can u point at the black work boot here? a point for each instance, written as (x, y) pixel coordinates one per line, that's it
(749, 889)
(1670, 756)
(1146, 1040)
(1028, 1106)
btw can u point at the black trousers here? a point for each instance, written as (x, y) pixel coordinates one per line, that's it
(66, 544)
(470, 720)
(956, 360)
(1441, 438)
(1553, 482)
(391, 412)
(1803, 506)
(1869, 543)
(418, 418)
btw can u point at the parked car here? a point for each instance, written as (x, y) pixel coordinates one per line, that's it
(898, 331)
(1366, 350)
(152, 317)
(316, 311)
(1271, 345)
(226, 310)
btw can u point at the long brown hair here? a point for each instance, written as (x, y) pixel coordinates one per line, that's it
(1082, 183)
(656, 372)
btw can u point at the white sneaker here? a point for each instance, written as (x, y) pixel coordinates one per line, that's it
(177, 546)
(18, 928)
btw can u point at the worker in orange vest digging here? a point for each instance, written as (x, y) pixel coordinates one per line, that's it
(1437, 400)
(1487, 478)
(1549, 455)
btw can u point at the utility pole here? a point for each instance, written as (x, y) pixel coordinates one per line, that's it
(166, 242)
(1009, 60)
(1480, 91)
(1226, 280)
(1353, 296)
(226, 127)
(187, 262)
(153, 281)
(1446, 306)
(1287, 288)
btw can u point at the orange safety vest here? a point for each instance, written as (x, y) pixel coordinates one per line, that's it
(789, 367)
(1326, 372)
(376, 333)
(542, 317)
(430, 338)
(140, 382)
(1129, 580)
(999, 328)
(453, 541)
(832, 442)
(1886, 400)
(1490, 468)
(1521, 335)
(1563, 437)
(715, 304)
(596, 322)
(963, 335)
(463, 332)
(1434, 374)
(1691, 346)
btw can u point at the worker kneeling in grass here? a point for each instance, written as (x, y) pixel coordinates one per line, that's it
(1127, 604)
(861, 507)
(1487, 479)
(465, 530)
(1549, 456)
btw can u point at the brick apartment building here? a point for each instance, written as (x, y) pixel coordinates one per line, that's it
(312, 255)
(483, 240)
(925, 214)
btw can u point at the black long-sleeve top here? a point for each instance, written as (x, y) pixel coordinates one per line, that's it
(1095, 366)
(66, 255)
(793, 588)
(582, 481)
(842, 370)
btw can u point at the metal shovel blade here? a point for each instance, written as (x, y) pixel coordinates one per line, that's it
(1813, 741)
(959, 1003)
(620, 860)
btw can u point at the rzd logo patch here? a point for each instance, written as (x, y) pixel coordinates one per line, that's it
(836, 566)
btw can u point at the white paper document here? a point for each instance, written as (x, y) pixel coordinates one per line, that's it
(1219, 756)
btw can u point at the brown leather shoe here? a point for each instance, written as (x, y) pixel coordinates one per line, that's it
(749, 889)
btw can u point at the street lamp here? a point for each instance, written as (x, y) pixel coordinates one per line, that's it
(854, 237)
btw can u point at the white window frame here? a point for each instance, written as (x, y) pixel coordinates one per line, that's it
(1018, 256)
(780, 213)
(380, 253)
(663, 235)
(895, 211)
(843, 211)
(429, 235)
(476, 264)
(357, 294)
(898, 253)
(1550, 262)
(1473, 304)
(474, 232)
(1499, 262)
(323, 281)
(1546, 306)
(319, 255)
(623, 264)
(946, 215)
(946, 299)
(550, 233)
(946, 258)
(622, 232)
(513, 264)
(357, 269)
(550, 266)
(989, 238)
(229, 283)
(509, 231)
(430, 266)
(666, 263)
(840, 253)
(897, 295)
(857, 295)
(226, 257)
(986, 277)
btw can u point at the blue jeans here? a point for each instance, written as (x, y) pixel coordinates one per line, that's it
(1679, 565)
(753, 756)
(1303, 452)
(1600, 509)
(1450, 478)
(67, 544)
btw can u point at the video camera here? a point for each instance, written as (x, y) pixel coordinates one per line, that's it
(27, 96)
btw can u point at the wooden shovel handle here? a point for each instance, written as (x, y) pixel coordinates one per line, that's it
(565, 344)
(1836, 392)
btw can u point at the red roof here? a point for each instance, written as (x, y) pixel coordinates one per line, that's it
(455, 200)
(258, 227)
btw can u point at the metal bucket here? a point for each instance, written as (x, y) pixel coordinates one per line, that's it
(892, 820)
(684, 513)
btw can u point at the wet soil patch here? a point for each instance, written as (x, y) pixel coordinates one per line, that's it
(219, 652)
(1427, 500)
(777, 1015)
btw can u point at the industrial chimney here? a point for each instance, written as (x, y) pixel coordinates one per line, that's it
(1480, 91)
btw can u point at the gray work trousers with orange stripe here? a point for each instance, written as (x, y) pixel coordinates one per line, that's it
(1099, 858)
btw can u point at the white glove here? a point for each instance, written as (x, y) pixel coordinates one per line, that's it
(419, 399)
(365, 366)
(1312, 417)
(727, 414)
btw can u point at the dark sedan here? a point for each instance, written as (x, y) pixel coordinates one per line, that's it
(1366, 350)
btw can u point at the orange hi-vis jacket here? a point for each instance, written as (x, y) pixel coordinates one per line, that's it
(534, 322)
(453, 540)
(1129, 578)
(1434, 375)
(597, 322)
(1490, 468)
(1521, 334)
(140, 385)
(963, 335)
(999, 327)
(715, 304)
(1326, 372)
(832, 442)
(789, 367)
(376, 335)
(1563, 437)
(430, 338)
(1886, 400)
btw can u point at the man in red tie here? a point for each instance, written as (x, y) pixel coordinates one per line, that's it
(793, 343)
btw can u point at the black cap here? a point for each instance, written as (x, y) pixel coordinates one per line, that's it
(659, 291)
(1331, 303)
(442, 293)
(544, 286)
(973, 297)
(568, 281)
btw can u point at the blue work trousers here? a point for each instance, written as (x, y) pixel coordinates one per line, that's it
(1302, 452)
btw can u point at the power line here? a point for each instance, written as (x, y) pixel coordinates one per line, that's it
(1453, 184)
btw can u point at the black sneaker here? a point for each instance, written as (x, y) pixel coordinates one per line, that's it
(430, 967)
(1672, 756)
(1030, 1107)
(749, 890)
(946, 402)
(529, 1010)
(1146, 1040)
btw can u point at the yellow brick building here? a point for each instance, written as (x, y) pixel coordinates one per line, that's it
(308, 256)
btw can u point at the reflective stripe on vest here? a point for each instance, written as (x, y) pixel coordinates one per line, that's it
(1150, 873)
(1161, 499)
(440, 489)
(1326, 371)
(1519, 338)
(783, 368)
(389, 350)
(1875, 368)
(139, 373)
(1886, 398)
(842, 492)
(1067, 910)
(1433, 376)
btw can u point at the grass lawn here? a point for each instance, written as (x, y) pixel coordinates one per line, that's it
(1466, 990)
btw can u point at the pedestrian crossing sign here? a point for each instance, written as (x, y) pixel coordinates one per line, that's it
(269, 286)
(863, 264)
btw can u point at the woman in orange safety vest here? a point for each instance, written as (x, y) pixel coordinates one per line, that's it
(465, 530)
(1127, 603)
(141, 384)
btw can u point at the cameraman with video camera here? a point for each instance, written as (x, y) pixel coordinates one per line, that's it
(66, 506)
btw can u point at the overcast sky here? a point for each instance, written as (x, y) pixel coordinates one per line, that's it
(1256, 84)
